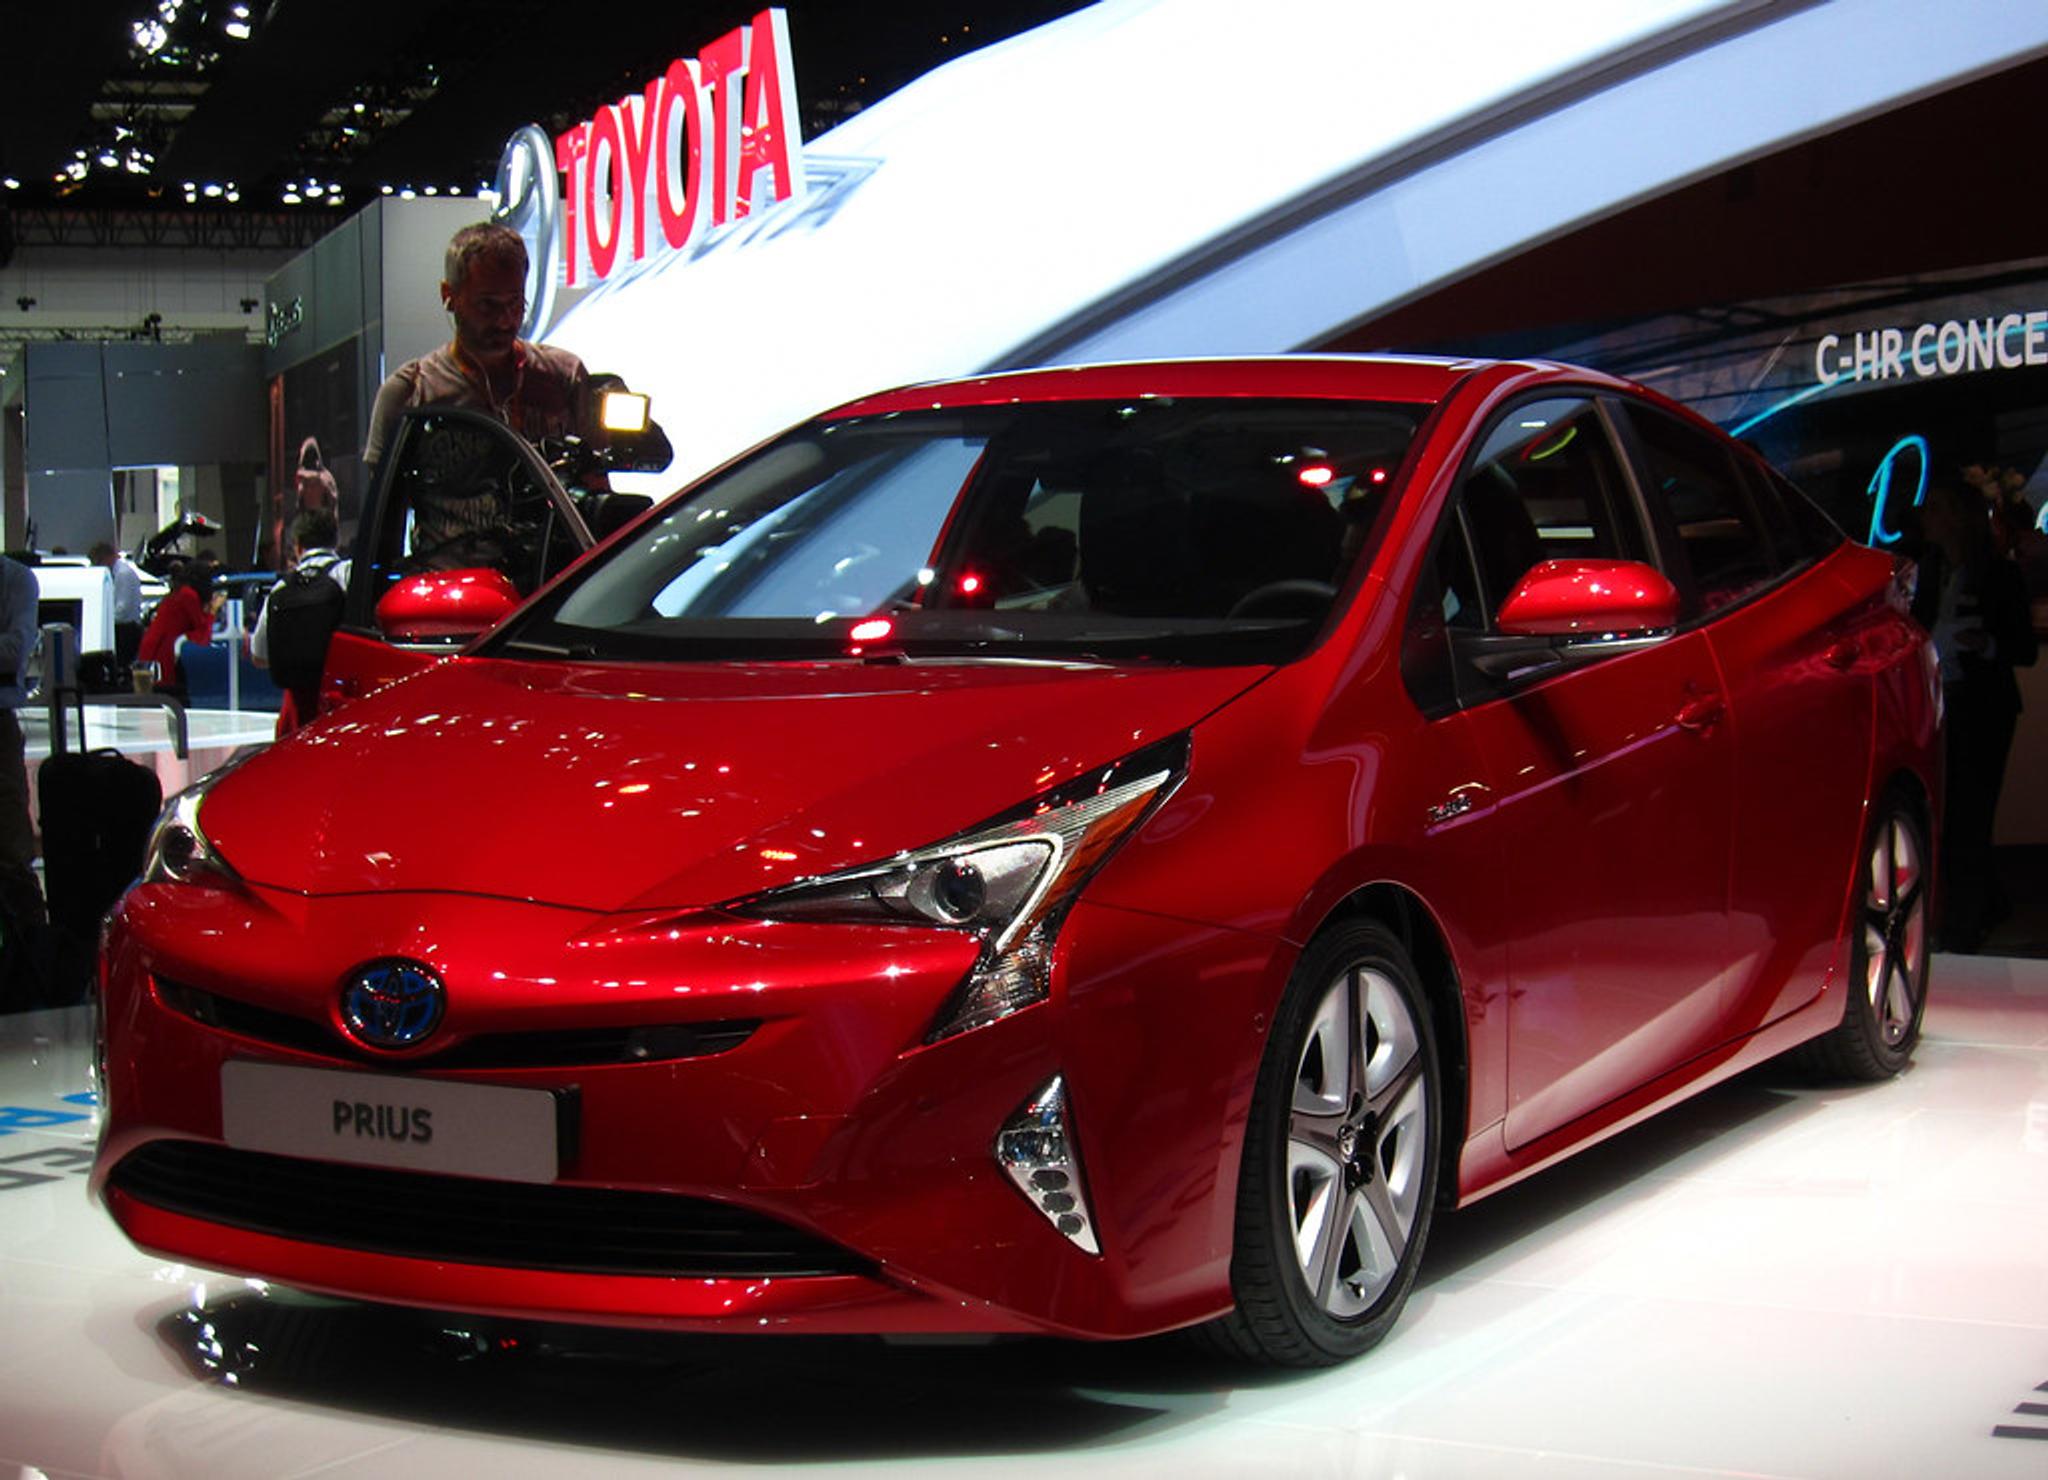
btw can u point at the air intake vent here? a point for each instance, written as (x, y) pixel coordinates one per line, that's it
(588, 1230)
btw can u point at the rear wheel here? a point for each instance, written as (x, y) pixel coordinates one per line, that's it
(1889, 942)
(1340, 1159)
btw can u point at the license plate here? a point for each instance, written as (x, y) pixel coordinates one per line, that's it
(391, 1120)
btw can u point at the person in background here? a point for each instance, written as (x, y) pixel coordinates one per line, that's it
(312, 487)
(1977, 612)
(312, 555)
(313, 483)
(20, 895)
(535, 389)
(186, 615)
(127, 599)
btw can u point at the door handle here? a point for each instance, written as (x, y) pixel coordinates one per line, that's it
(1702, 714)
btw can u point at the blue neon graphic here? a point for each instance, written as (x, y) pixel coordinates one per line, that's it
(1785, 405)
(1880, 489)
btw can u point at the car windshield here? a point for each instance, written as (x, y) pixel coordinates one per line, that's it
(1179, 530)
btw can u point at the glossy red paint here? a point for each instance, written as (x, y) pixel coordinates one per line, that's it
(1625, 872)
(361, 663)
(1562, 598)
(445, 604)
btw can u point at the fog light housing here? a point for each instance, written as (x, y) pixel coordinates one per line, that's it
(1036, 1148)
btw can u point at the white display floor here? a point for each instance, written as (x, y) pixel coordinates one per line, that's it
(1773, 1280)
(143, 734)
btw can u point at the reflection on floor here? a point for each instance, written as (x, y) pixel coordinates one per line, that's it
(1775, 1280)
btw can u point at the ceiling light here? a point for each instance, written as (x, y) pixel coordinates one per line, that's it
(11, 183)
(212, 191)
(433, 190)
(237, 30)
(291, 197)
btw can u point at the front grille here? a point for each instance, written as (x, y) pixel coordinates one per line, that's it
(586, 1230)
(643, 1043)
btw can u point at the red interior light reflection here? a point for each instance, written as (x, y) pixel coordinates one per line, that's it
(1316, 475)
(872, 630)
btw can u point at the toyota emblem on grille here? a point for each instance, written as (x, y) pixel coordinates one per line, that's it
(392, 1004)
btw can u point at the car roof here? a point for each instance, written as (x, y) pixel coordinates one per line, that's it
(1403, 378)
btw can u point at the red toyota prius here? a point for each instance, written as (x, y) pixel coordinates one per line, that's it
(1089, 851)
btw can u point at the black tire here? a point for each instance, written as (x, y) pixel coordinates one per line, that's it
(1889, 942)
(1348, 1154)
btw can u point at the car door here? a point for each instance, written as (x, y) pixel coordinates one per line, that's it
(1613, 772)
(457, 491)
(1797, 648)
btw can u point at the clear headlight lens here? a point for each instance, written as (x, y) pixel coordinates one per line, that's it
(1009, 881)
(179, 852)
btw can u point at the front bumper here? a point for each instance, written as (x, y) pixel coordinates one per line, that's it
(810, 1105)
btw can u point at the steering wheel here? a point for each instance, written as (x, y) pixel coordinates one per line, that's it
(1291, 598)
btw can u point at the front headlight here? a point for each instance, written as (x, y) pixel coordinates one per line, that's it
(179, 852)
(1009, 881)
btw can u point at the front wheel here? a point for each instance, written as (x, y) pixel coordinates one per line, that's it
(1887, 979)
(1340, 1158)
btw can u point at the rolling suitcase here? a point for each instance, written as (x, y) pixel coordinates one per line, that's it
(97, 810)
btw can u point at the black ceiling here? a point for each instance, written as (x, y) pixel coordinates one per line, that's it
(443, 83)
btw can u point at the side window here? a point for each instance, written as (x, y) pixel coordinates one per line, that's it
(1546, 484)
(1811, 531)
(1446, 603)
(1785, 538)
(1690, 478)
(461, 497)
(1457, 579)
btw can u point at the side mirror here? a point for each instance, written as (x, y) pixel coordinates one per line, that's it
(445, 606)
(1589, 598)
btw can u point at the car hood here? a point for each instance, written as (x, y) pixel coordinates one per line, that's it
(603, 787)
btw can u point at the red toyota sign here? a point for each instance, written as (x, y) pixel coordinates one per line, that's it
(713, 137)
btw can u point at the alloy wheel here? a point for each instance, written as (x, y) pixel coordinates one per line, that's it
(1356, 1141)
(1895, 929)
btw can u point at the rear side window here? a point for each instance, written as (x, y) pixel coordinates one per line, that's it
(1692, 480)
(1809, 531)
